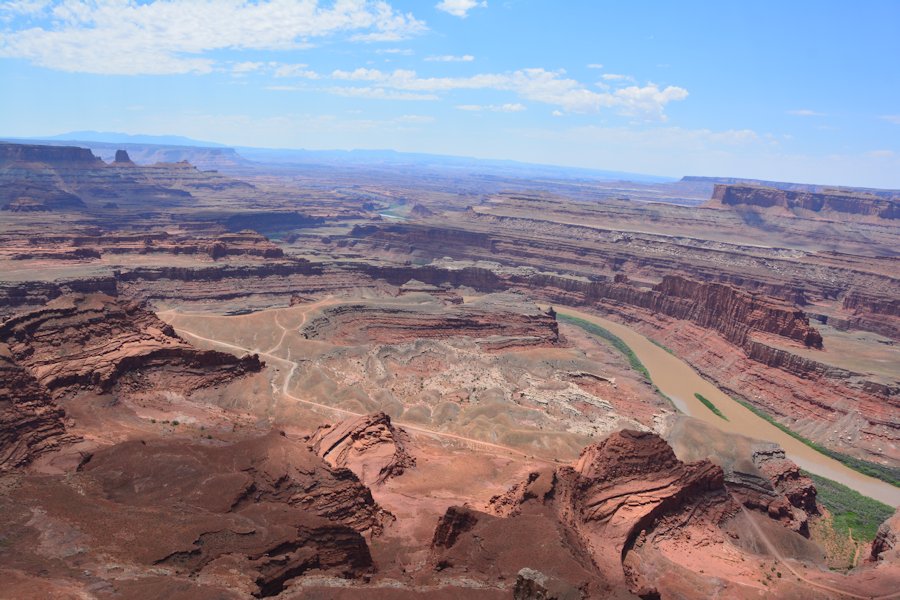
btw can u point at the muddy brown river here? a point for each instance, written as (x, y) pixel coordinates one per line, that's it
(679, 381)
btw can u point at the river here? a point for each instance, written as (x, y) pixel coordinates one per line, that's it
(679, 381)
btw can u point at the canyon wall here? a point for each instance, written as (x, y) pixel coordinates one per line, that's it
(826, 201)
(64, 156)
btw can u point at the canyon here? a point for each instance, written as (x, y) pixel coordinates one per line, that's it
(362, 381)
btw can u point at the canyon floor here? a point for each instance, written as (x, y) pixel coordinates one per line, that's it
(244, 380)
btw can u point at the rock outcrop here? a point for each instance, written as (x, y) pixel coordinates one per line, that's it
(421, 212)
(628, 486)
(122, 158)
(496, 321)
(885, 547)
(26, 155)
(95, 340)
(30, 422)
(370, 446)
(795, 497)
(824, 201)
(24, 196)
(534, 585)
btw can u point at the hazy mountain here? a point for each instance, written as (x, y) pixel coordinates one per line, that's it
(126, 138)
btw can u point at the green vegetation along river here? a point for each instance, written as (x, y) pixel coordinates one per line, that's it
(681, 383)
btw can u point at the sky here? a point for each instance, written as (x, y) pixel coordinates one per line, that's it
(793, 91)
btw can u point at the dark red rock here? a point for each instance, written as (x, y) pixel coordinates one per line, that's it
(30, 422)
(122, 158)
(97, 340)
(766, 197)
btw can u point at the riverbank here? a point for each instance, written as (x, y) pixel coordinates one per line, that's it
(681, 383)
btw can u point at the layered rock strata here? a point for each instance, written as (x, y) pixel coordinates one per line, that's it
(31, 424)
(824, 201)
(95, 340)
(885, 547)
(370, 446)
(498, 321)
(627, 487)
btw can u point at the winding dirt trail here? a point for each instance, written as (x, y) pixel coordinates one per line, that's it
(779, 557)
(470, 443)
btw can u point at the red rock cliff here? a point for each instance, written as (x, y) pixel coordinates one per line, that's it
(765, 197)
(62, 156)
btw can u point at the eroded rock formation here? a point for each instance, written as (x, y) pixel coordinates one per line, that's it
(885, 547)
(630, 485)
(824, 201)
(95, 340)
(249, 516)
(370, 446)
(30, 422)
(497, 321)
(28, 155)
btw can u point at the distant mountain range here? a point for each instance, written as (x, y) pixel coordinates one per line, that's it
(210, 155)
(112, 137)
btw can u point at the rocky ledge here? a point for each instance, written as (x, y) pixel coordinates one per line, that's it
(66, 156)
(30, 422)
(498, 321)
(825, 201)
(95, 340)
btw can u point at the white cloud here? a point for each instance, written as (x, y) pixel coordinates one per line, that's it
(648, 101)
(595, 66)
(616, 77)
(539, 85)
(895, 119)
(296, 70)
(805, 112)
(242, 68)
(459, 8)
(398, 51)
(415, 119)
(376, 93)
(450, 58)
(172, 36)
(23, 7)
(881, 154)
(509, 107)
(557, 113)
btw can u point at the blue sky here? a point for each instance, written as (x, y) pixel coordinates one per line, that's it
(799, 91)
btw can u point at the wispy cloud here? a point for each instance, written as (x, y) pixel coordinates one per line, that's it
(509, 107)
(173, 36)
(595, 66)
(415, 119)
(616, 77)
(450, 58)
(299, 70)
(805, 112)
(398, 51)
(539, 85)
(376, 93)
(895, 119)
(460, 8)
(242, 68)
